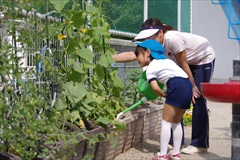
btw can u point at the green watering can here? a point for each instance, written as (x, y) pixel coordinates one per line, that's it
(146, 90)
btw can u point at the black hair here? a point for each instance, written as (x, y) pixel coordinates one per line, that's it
(136, 52)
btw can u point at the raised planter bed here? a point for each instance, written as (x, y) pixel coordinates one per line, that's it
(122, 139)
(141, 124)
(130, 131)
(82, 149)
(8, 156)
(159, 121)
(137, 133)
(149, 119)
(94, 151)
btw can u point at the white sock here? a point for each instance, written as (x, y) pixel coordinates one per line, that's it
(165, 136)
(177, 137)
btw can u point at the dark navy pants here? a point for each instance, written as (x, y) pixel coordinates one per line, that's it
(200, 120)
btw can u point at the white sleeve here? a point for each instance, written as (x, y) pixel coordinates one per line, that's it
(151, 74)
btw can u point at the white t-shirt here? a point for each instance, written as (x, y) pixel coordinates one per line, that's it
(198, 49)
(163, 70)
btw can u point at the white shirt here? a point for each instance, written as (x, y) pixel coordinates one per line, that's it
(163, 70)
(198, 49)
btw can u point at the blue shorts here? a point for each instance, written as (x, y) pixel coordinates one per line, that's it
(179, 92)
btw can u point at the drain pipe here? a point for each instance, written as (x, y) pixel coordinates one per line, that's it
(235, 151)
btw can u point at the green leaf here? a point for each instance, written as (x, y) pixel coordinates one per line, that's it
(74, 116)
(119, 125)
(97, 98)
(89, 65)
(78, 68)
(116, 79)
(87, 106)
(79, 19)
(103, 120)
(103, 30)
(72, 45)
(60, 105)
(103, 61)
(48, 142)
(59, 4)
(86, 54)
(71, 61)
(70, 31)
(75, 91)
(85, 111)
(92, 9)
(89, 98)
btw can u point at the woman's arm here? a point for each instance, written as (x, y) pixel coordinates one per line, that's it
(183, 63)
(156, 89)
(124, 57)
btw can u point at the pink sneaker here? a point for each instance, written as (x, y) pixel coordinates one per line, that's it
(157, 157)
(175, 156)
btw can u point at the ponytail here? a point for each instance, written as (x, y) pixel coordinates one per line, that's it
(154, 22)
(167, 27)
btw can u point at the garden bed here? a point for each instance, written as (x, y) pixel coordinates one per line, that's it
(141, 124)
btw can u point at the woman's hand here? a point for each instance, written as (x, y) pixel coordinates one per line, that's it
(196, 94)
(183, 63)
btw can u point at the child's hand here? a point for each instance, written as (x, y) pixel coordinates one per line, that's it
(165, 94)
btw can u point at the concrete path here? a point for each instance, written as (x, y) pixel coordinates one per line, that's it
(220, 116)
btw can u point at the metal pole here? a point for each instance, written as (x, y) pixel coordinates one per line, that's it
(179, 16)
(145, 10)
(191, 16)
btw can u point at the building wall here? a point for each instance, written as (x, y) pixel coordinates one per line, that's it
(209, 20)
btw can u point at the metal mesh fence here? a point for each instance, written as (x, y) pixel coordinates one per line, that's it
(128, 15)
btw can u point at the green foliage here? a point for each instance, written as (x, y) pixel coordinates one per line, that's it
(32, 118)
(131, 93)
(187, 117)
(59, 4)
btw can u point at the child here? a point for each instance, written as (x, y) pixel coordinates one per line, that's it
(150, 53)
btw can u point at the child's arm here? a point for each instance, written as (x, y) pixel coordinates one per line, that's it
(124, 57)
(156, 89)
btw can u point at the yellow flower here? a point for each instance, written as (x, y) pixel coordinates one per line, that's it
(188, 116)
(81, 124)
(60, 36)
(65, 21)
(191, 108)
(84, 30)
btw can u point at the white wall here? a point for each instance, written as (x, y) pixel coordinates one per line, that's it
(209, 20)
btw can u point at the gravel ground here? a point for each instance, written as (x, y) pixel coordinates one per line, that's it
(220, 116)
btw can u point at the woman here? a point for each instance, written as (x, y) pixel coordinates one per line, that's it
(196, 57)
(150, 54)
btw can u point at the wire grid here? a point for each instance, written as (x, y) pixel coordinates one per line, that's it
(128, 15)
